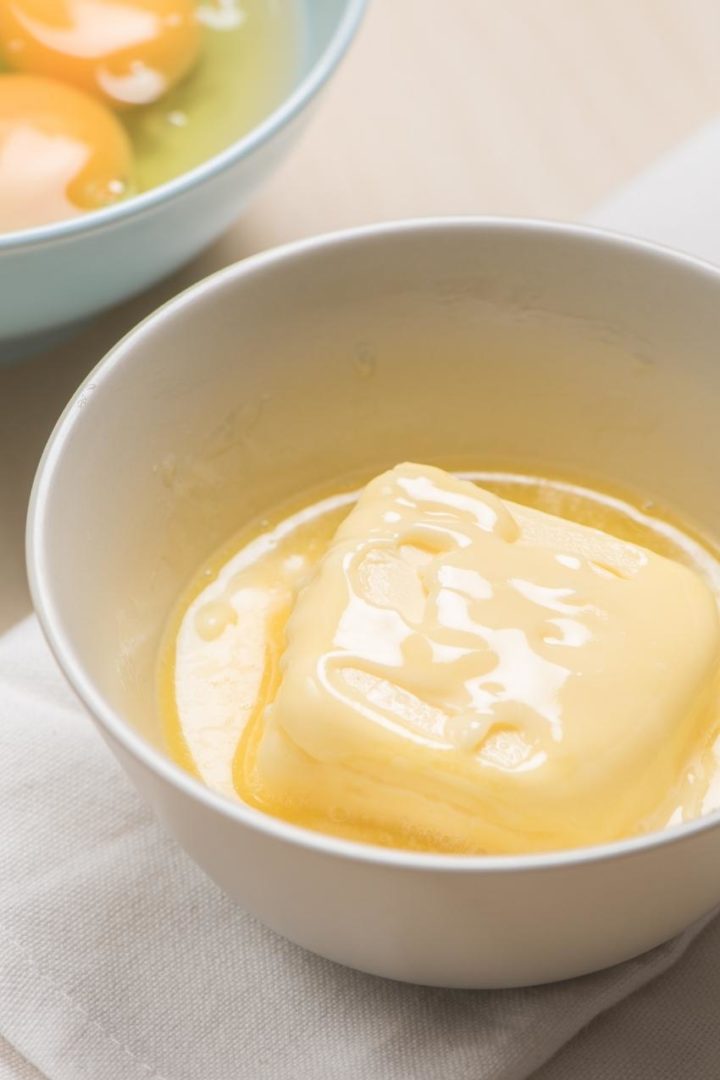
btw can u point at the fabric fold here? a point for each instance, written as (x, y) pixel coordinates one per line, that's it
(120, 960)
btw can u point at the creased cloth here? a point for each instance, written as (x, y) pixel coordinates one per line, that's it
(120, 960)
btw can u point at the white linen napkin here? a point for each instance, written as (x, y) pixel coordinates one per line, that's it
(676, 201)
(119, 960)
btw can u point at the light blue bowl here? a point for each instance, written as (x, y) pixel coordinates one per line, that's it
(54, 277)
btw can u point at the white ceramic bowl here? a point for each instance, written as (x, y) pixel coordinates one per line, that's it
(57, 275)
(498, 343)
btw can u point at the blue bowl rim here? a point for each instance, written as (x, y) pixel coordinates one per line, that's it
(288, 109)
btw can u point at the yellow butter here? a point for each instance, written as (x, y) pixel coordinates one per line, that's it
(461, 673)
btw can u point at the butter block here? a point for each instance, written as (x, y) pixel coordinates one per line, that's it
(465, 674)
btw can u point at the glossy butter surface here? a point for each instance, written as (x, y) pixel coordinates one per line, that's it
(452, 671)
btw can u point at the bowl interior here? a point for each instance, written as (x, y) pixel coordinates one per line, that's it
(465, 344)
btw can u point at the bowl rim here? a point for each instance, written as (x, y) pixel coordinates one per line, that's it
(121, 731)
(291, 105)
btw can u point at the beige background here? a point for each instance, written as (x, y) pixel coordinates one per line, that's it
(536, 107)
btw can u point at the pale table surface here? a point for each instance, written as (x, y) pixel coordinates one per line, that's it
(521, 107)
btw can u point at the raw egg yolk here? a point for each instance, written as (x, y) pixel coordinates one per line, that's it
(128, 51)
(61, 153)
